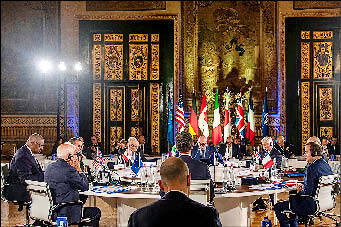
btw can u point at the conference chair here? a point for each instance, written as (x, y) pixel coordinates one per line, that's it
(324, 200)
(42, 208)
(200, 191)
(5, 191)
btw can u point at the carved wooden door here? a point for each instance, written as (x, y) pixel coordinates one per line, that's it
(316, 68)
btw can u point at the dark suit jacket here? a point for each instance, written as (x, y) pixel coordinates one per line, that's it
(90, 154)
(23, 167)
(199, 171)
(284, 151)
(146, 149)
(64, 182)
(236, 151)
(209, 152)
(334, 150)
(175, 209)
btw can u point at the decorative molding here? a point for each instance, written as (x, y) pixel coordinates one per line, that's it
(125, 5)
(155, 117)
(305, 111)
(113, 57)
(28, 120)
(326, 103)
(97, 111)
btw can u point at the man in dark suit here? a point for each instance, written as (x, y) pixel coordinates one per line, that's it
(175, 208)
(197, 169)
(284, 147)
(205, 153)
(239, 149)
(65, 178)
(24, 166)
(303, 203)
(226, 149)
(334, 146)
(326, 149)
(91, 151)
(147, 151)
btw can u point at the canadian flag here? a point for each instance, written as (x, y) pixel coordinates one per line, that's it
(267, 162)
(203, 122)
(227, 119)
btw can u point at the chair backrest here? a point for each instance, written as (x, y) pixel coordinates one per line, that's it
(4, 175)
(200, 191)
(42, 203)
(325, 193)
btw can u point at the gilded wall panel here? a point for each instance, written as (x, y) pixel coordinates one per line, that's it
(116, 134)
(155, 65)
(326, 131)
(154, 38)
(97, 111)
(113, 37)
(97, 37)
(113, 68)
(155, 117)
(305, 114)
(326, 104)
(116, 105)
(322, 34)
(138, 38)
(305, 34)
(96, 61)
(138, 61)
(135, 131)
(323, 60)
(305, 60)
(136, 105)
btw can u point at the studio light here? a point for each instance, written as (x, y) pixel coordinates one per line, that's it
(78, 66)
(62, 66)
(44, 66)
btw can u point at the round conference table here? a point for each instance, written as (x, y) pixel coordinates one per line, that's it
(234, 207)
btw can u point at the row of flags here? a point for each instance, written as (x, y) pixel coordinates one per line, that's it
(200, 122)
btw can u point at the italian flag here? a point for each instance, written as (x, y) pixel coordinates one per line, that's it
(203, 122)
(227, 119)
(217, 135)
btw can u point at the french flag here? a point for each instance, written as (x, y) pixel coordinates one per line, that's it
(267, 162)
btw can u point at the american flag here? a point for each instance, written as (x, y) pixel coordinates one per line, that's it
(257, 154)
(180, 115)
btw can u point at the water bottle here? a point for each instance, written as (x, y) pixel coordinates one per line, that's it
(332, 157)
(266, 222)
(62, 221)
(53, 156)
(111, 156)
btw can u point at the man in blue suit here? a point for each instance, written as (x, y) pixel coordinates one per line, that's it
(24, 166)
(199, 170)
(65, 178)
(205, 153)
(303, 203)
(175, 208)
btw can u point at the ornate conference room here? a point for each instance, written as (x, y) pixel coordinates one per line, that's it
(116, 92)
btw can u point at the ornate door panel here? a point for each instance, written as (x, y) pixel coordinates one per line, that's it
(125, 112)
(313, 53)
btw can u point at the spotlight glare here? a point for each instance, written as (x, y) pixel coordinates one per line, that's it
(44, 66)
(78, 66)
(62, 66)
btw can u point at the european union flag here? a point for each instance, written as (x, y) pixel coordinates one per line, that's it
(137, 164)
(170, 131)
(265, 119)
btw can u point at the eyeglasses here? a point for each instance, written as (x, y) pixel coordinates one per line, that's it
(202, 144)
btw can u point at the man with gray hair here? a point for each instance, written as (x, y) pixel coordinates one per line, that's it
(24, 166)
(65, 178)
(268, 147)
(175, 208)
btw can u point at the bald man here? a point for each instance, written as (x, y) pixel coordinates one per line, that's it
(65, 178)
(175, 208)
(284, 147)
(24, 166)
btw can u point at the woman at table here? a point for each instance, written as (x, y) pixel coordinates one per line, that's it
(305, 205)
